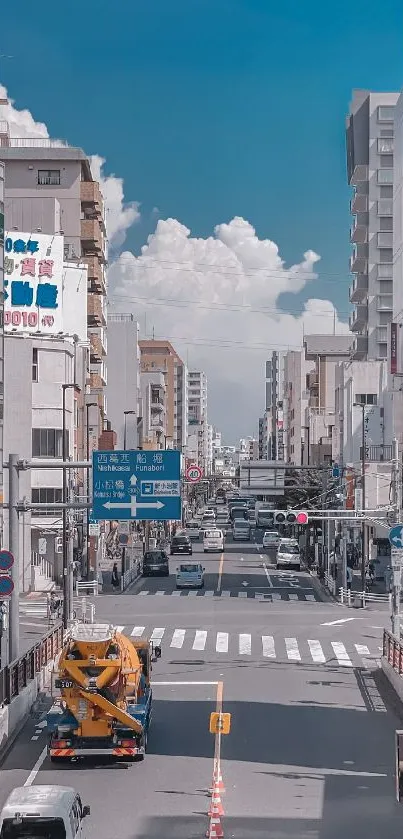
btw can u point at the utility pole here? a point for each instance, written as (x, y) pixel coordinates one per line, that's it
(397, 509)
(364, 528)
(13, 546)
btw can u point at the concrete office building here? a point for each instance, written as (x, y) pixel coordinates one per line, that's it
(123, 382)
(370, 170)
(274, 405)
(295, 400)
(161, 356)
(49, 188)
(198, 433)
(153, 401)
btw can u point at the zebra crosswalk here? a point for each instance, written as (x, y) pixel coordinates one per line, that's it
(269, 647)
(269, 596)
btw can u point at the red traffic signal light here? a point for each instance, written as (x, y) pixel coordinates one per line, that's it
(290, 517)
(302, 518)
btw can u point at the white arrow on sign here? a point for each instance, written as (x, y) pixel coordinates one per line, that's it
(133, 480)
(133, 505)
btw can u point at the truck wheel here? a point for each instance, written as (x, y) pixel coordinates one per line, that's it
(57, 759)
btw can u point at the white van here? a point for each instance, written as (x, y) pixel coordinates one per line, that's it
(44, 810)
(213, 540)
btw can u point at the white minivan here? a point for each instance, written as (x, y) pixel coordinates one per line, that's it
(213, 540)
(44, 810)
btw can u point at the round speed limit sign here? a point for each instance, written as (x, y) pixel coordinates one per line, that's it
(194, 473)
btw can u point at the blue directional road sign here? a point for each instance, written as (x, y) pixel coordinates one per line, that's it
(396, 536)
(136, 485)
(6, 585)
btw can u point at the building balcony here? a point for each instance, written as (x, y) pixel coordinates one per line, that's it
(90, 194)
(359, 288)
(385, 240)
(359, 318)
(360, 174)
(384, 302)
(157, 426)
(359, 260)
(157, 406)
(385, 145)
(385, 176)
(95, 310)
(91, 237)
(96, 278)
(96, 382)
(358, 233)
(385, 207)
(359, 349)
(100, 369)
(378, 454)
(385, 271)
(359, 203)
(96, 351)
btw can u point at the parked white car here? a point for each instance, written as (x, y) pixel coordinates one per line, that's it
(288, 554)
(270, 539)
(44, 810)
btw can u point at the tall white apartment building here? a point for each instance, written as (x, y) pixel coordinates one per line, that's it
(198, 433)
(370, 170)
(274, 414)
(123, 383)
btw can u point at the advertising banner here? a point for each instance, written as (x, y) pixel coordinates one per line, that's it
(33, 283)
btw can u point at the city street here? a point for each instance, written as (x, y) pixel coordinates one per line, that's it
(311, 750)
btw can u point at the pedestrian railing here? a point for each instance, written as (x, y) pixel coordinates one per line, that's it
(330, 583)
(130, 575)
(86, 586)
(19, 673)
(393, 651)
(347, 597)
(82, 608)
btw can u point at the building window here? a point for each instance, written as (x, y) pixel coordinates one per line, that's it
(47, 442)
(49, 177)
(34, 364)
(366, 398)
(47, 495)
(386, 113)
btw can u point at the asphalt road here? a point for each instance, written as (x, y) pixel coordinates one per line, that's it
(311, 750)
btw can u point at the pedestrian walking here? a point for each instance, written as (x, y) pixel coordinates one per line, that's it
(115, 576)
(349, 578)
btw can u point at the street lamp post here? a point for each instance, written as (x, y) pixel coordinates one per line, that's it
(364, 528)
(126, 414)
(66, 570)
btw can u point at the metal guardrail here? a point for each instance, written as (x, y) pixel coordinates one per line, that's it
(347, 597)
(84, 610)
(17, 675)
(84, 586)
(393, 651)
(130, 575)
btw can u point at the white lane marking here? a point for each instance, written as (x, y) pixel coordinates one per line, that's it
(176, 593)
(259, 595)
(157, 633)
(159, 593)
(316, 651)
(245, 644)
(225, 593)
(199, 642)
(291, 645)
(137, 630)
(293, 596)
(266, 571)
(341, 654)
(242, 594)
(192, 592)
(143, 592)
(209, 593)
(276, 595)
(309, 597)
(35, 737)
(42, 724)
(336, 623)
(33, 773)
(222, 642)
(269, 650)
(173, 684)
(362, 649)
(119, 628)
(178, 638)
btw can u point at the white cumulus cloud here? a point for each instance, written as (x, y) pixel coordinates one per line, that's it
(119, 215)
(216, 299)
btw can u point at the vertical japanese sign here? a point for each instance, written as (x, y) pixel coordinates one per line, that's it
(33, 283)
(393, 348)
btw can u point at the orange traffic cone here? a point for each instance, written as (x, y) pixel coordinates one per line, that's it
(216, 808)
(216, 831)
(218, 781)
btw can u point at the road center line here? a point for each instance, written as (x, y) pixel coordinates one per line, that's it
(266, 571)
(220, 571)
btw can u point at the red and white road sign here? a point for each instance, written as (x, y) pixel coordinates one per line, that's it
(194, 473)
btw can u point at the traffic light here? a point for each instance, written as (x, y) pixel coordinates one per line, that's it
(290, 517)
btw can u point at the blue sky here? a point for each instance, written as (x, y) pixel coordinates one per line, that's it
(210, 110)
